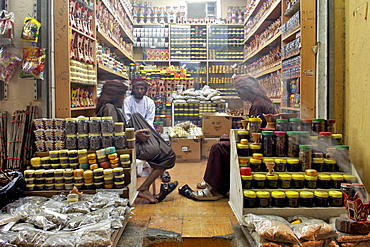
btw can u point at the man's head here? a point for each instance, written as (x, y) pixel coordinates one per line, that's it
(248, 88)
(139, 88)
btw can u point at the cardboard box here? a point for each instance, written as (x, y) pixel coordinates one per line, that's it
(216, 124)
(186, 150)
(206, 146)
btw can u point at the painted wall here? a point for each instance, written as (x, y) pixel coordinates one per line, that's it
(356, 86)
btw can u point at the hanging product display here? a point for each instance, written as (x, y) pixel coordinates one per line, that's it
(6, 28)
(33, 63)
(8, 63)
(30, 30)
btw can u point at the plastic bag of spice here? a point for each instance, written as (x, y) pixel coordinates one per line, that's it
(313, 229)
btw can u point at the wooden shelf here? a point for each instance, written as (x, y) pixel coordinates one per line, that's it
(293, 9)
(291, 36)
(81, 33)
(102, 69)
(128, 12)
(106, 39)
(265, 48)
(290, 108)
(269, 71)
(254, 8)
(83, 108)
(225, 61)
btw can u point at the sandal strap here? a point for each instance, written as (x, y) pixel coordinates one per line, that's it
(204, 193)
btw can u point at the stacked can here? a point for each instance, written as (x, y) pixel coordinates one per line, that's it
(108, 178)
(82, 159)
(88, 179)
(125, 160)
(98, 178)
(112, 157)
(92, 161)
(78, 178)
(102, 159)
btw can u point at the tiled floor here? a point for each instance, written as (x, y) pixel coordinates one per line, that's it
(191, 219)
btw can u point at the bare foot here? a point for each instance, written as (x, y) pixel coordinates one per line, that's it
(145, 194)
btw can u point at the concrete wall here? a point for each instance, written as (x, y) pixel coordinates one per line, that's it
(356, 86)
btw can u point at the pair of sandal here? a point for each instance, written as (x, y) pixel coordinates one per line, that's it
(166, 189)
(200, 195)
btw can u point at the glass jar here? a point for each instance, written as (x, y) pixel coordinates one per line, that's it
(95, 141)
(119, 127)
(317, 164)
(305, 157)
(336, 139)
(107, 125)
(315, 147)
(278, 199)
(310, 182)
(242, 149)
(254, 126)
(304, 138)
(282, 124)
(258, 181)
(95, 125)
(120, 140)
(321, 198)
(335, 198)
(267, 143)
(280, 165)
(341, 155)
(306, 125)
(249, 198)
(323, 181)
(347, 189)
(263, 198)
(297, 181)
(280, 143)
(318, 125)
(83, 141)
(255, 164)
(330, 126)
(71, 126)
(329, 165)
(295, 124)
(254, 148)
(336, 180)
(242, 134)
(246, 181)
(107, 140)
(292, 165)
(360, 188)
(83, 125)
(293, 141)
(285, 181)
(306, 198)
(291, 198)
(71, 141)
(272, 181)
(347, 178)
(324, 141)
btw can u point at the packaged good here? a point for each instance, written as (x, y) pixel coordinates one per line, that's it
(249, 198)
(292, 198)
(258, 181)
(119, 185)
(305, 157)
(263, 198)
(33, 63)
(297, 181)
(272, 181)
(321, 198)
(285, 181)
(306, 198)
(278, 199)
(30, 30)
(310, 182)
(335, 198)
(323, 181)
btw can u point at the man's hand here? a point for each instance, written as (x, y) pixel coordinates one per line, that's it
(142, 135)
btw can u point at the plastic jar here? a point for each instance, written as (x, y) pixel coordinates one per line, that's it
(242, 149)
(282, 125)
(119, 127)
(45, 160)
(95, 141)
(321, 198)
(329, 165)
(292, 165)
(305, 157)
(107, 140)
(62, 153)
(285, 181)
(335, 198)
(293, 141)
(297, 181)
(98, 185)
(98, 172)
(89, 186)
(29, 173)
(310, 182)
(68, 180)
(347, 178)
(254, 126)
(242, 134)
(306, 198)
(130, 133)
(317, 164)
(306, 125)
(255, 164)
(292, 198)
(330, 126)
(278, 199)
(336, 139)
(83, 125)
(324, 141)
(295, 124)
(98, 179)
(258, 181)
(119, 185)
(120, 140)
(249, 198)
(280, 165)
(49, 186)
(95, 125)
(119, 178)
(272, 181)
(347, 189)
(72, 153)
(304, 138)
(118, 171)
(318, 125)
(254, 148)
(267, 143)
(83, 141)
(263, 198)
(71, 126)
(49, 173)
(280, 143)
(341, 155)
(246, 181)
(110, 150)
(336, 180)
(30, 180)
(49, 180)
(323, 181)
(107, 125)
(71, 141)
(39, 173)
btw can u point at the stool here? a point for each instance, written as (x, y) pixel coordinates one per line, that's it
(140, 166)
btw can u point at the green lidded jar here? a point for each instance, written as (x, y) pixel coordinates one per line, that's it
(263, 198)
(323, 181)
(310, 182)
(258, 181)
(318, 125)
(255, 165)
(278, 199)
(317, 164)
(297, 181)
(267, 143)
(336, 180)
(335, 198)
(349, 178)
(305, 157)
(292, 165)
(306, 198)
(295, 124)
(249, 198)
(293, 143)
(280, 165)
(272, 181)
(247, 181)
(242, 149)
(329, 165)
(292, 198)
(321, 199)
(285, 181)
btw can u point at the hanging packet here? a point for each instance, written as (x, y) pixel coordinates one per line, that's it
(33, 63)
(8, 63)
(30, 30)
(6, 28)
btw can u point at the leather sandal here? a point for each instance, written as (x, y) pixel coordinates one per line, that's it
(166, 178)
(206, 195)
(186, 191)
(203, 185)
(166, 189)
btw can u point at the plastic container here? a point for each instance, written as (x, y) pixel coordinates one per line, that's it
(295, 124)
(306, 125)
(71, 141)
(49, 173)
(54, 154)
(39, 173)
(98, 172)
(305, 157)
(310, 182)
(258, 181)
(254, 148)
(254, 126)
(306, 198)
(98, 185)
(30, 180)
(78, 185)
(45, 160)
(107, 125)
(282, 125)
(330, 126)
(336, 180)
(72, 153)
(107, 140)
(246, 181)
(293, 141)
(321, 199)
(62, 153)
(304, 138)
(347, 178)
(54, 161)
(82, 159)
(255, 164)
(263, 199)
(130, 133)
(98, 179)
(330, 165)
(335, 198)
(95, 141)
(242, 134)
(119, 178)
(104, 164)
(278, 199)
(280, 143)
(102, 158)
(242, 149)
(70, 126)
(118, 171)
(110, 150)
(249, 198)
(280, 165)
(49, 186)
(83, 141)
(324, 181)
(119, 185)
(68, 180)
(48, 180)
(95, 125)
(292, 165)
(74, 165)
(108, 186)
(59, 186)
(336, 139)
(29, 173)
(120, 140)
(68, 186)
(317, 164)
(119, 127)
(267, 143)
(297, 181)
(292, 198)
(272, 181)
(89, 186)
(318, 125)
(324, 141)
(83, 125)
(285, 181)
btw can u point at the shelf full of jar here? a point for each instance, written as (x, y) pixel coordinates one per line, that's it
(123, 50)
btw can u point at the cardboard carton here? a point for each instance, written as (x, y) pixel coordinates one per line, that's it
(206, 146)
(216, 124)
(186, 150)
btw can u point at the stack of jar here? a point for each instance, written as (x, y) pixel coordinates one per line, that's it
(330, 198)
